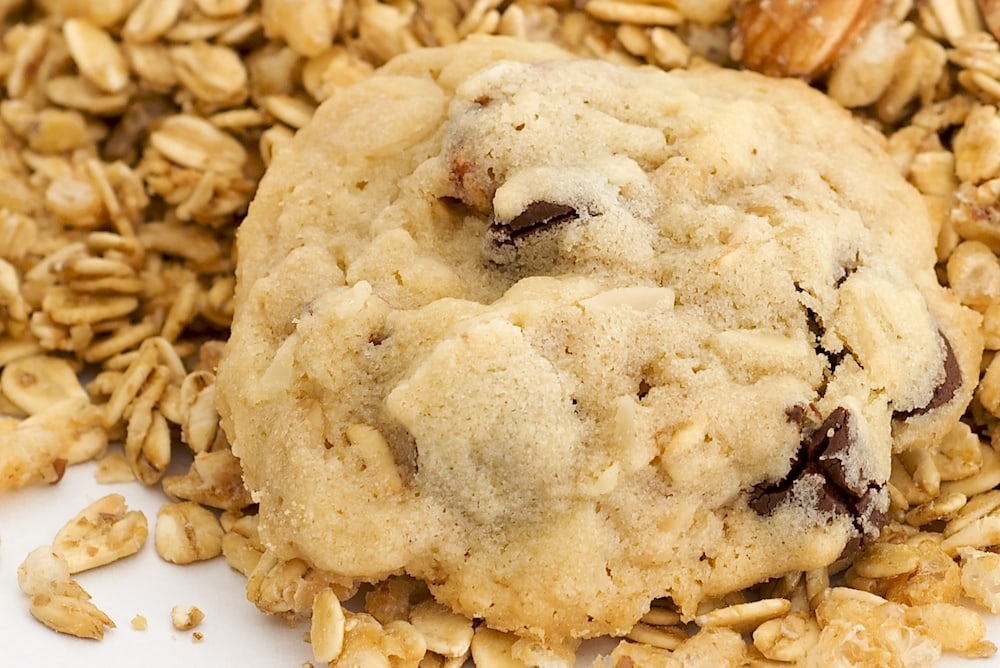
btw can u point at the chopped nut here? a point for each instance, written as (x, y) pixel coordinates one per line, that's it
(374, 451)
(797, 38)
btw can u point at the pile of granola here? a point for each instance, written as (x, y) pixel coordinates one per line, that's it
(132, 137)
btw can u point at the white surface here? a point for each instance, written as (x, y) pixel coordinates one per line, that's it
(235, 633)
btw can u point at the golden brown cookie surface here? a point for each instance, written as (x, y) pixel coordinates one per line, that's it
(564, 337)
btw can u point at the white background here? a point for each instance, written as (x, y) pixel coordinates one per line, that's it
(235, 633)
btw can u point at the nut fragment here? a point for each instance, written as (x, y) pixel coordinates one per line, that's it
(186, 617)
(372, 448)
(798, 38)
(185, 532)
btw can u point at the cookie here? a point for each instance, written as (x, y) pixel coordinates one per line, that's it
(560, 337)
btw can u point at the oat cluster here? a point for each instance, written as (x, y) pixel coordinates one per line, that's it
(132, 136)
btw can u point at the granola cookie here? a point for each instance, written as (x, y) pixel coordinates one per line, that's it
(560, 337)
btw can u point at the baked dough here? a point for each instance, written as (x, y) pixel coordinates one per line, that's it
(560, 337)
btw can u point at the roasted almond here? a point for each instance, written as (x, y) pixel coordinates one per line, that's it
(798, 38)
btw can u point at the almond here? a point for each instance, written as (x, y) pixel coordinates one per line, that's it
(799, 38)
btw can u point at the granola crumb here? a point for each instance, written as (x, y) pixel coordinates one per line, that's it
(185, 618)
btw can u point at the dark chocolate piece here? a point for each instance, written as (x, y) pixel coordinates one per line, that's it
(536, 217)
(820, 463)
(944, 392)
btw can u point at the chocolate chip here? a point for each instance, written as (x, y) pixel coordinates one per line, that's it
(796, 414)
(945, 391)
(822, 464)
(536, 217)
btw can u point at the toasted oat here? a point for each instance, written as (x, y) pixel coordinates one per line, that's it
(34, 383)
(214, 479)
(186, 532)
(287, 587)
(664, 637)
(113, 468)
(241, 544)
(744, 616)
(69, 615)
(38, 448)
(445, 632)
(103, 532)
(788, 638)
(56, 600)
(327, 631)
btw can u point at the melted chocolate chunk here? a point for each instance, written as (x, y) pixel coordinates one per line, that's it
(944, 392)
(536, 217)
(821, 463)
(796, 415)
